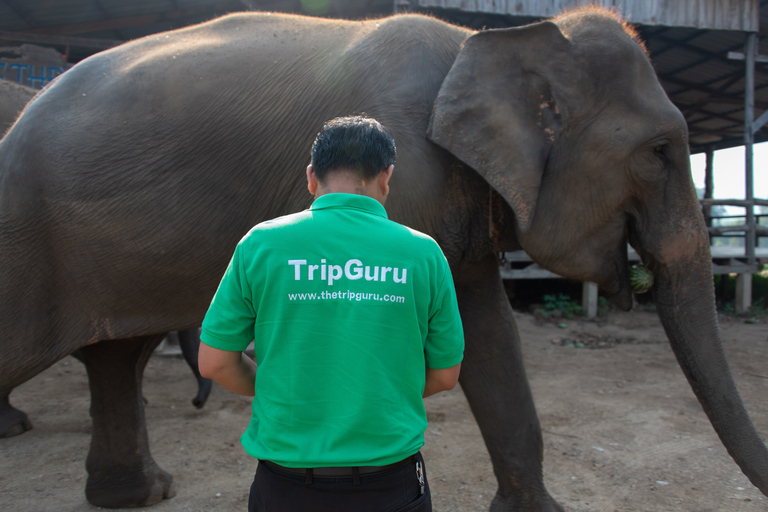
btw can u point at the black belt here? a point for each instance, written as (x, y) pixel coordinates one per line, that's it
(348, 471)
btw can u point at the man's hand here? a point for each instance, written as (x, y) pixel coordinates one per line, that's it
(233, 370)
(441, 380)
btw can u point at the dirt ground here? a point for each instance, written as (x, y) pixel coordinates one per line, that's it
(622, 429)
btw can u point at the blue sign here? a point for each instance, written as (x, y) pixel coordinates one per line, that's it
(28, 74)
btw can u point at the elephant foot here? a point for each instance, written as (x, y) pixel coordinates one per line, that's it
(189, 341)
(510, 504)
(12, 421)
(203, 390)
(127, 487)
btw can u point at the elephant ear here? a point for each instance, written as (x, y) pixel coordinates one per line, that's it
(496, 111)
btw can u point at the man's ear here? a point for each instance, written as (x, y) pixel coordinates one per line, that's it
(311, 179)
(384, 177)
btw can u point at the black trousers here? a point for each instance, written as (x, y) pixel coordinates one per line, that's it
(394, 490)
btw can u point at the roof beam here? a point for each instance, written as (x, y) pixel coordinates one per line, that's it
(720, 94)
(731, 131)
(105, 13)
(669, 47)
(103, 10)
(138, 21)
(690, 101)
(725, 116)
(761, 30)
(692, 86)
(81, 42)
(20, 13)
(706, 57)
(707, 54)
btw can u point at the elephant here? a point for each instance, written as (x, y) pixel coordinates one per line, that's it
(13, 98)
(131, 179)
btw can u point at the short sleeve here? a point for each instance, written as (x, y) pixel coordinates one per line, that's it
(445, 337)
(229, 322)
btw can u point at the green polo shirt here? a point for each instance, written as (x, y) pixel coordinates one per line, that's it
(346, 308)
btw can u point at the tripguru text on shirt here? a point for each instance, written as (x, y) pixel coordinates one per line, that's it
(353, 270)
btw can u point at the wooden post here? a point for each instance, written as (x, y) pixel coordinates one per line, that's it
(743, 292)
(709, 186)
(749, 118)
(744, 281)
(589, 299)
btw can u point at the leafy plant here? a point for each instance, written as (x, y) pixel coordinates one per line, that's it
(561, 303)
(603, 306)
(726, 284)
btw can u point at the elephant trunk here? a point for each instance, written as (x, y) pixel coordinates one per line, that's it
(684, 294)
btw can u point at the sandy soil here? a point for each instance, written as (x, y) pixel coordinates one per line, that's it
(622, 429)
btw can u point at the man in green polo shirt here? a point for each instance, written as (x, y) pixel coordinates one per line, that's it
(354, 320)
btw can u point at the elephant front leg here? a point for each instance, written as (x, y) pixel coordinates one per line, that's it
(121, 471)
(494, 381)
(12, 421)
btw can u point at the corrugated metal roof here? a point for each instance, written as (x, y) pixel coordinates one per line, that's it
(705, 14)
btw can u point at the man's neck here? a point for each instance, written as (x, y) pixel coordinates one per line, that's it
(349, 183)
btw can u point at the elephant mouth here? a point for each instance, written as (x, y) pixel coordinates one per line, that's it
(623, 299)
(616, 269)
(617, 288)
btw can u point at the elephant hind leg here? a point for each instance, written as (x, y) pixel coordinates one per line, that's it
(121, 471)
(12, 421)
(189, 341)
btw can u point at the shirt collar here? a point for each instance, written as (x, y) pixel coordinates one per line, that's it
(353, 201)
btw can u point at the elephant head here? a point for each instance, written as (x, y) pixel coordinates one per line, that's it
(567, 121)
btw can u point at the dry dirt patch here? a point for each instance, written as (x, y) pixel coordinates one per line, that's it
(622, 429)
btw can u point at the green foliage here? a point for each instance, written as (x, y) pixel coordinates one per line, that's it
(732, 241)
(728, 307)
(603, 306)
(726, 304)
(561, 303)
(760, 285)
(757, 309)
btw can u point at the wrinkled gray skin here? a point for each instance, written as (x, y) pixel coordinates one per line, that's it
(133, 177)
(13, 98)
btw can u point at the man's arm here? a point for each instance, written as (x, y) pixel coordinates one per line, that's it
(233, 370)
(441, 380)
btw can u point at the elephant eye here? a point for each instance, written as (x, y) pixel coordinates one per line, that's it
(660, 150)
(651, 162)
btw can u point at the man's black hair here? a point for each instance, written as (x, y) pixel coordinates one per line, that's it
(360, 144)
